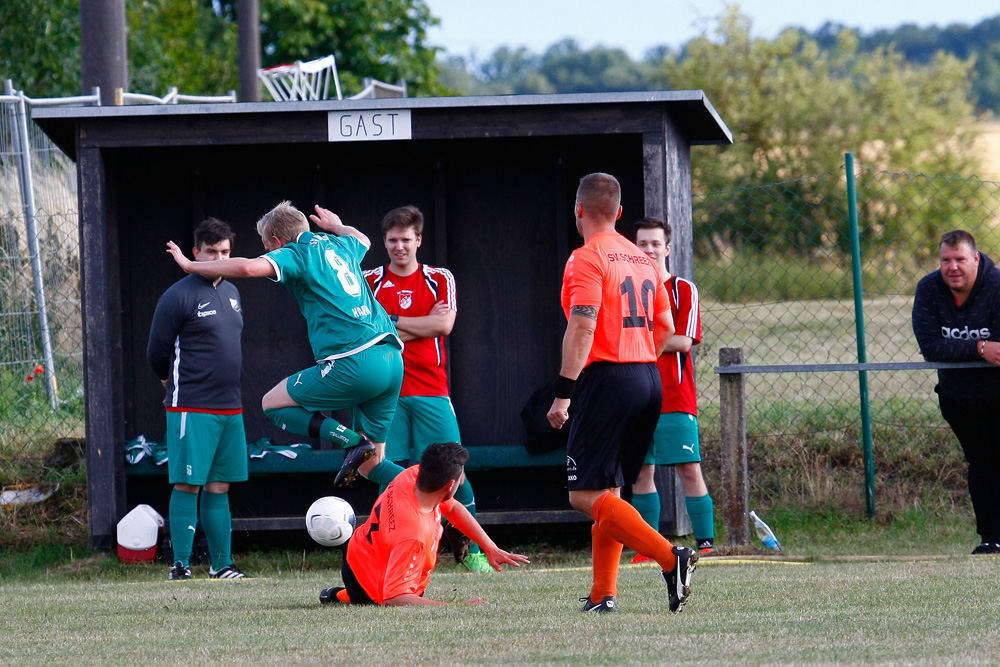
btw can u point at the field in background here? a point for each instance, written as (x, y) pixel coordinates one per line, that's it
(989, 146)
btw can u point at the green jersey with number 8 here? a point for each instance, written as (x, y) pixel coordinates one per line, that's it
(323, 273)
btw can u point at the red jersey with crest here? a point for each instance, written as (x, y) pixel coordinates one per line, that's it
(424, 370)
(677, 368)
(610, 272)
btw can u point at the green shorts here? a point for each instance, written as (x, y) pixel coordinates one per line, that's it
(420, 421)
(675, 440)
(203, 448)
(366, 383)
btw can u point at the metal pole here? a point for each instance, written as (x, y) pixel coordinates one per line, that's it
(859, 323)
(23, 150)
(248, 18)
(103, 47)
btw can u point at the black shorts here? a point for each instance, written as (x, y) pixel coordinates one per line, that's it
(351, 583)
(615, 414)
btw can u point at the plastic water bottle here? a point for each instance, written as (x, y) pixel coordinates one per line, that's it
(765, 533)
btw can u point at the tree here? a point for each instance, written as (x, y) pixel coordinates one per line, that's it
(570, 69)
(563, 68)
(795, 109)
(192, 44)
(40, 46)
(381, 39)
(181, 43)
(919, 45)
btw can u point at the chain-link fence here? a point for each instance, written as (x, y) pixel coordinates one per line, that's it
(41, 369)
(773, 265)
(41, 332)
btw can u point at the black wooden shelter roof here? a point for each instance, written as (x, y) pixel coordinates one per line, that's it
(434, 117)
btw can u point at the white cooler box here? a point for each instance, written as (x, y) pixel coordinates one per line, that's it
(139, 535)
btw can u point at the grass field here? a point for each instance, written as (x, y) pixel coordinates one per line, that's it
(940, 609)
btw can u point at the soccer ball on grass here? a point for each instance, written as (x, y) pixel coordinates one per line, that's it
(330, 521)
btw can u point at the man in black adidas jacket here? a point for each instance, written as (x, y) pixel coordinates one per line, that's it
(956, 317)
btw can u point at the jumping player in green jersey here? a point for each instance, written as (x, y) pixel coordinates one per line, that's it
(358, 362)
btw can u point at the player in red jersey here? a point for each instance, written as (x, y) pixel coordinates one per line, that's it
(389, 559)
(675, 441)
(420, 300)
(619, 321)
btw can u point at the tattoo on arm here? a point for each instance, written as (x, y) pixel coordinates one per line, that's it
(589, 312)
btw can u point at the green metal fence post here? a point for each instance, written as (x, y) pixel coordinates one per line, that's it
(859, 323)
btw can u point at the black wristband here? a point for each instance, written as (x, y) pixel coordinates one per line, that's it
(564, 387)
(394, 318)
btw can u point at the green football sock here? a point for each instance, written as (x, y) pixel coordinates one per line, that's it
(648, 505)
(383, 473)
(182, 513)
(467, 498)
(300, 421)
(217, 522)
(701, 510)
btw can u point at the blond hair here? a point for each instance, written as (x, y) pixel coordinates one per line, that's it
(283, 221)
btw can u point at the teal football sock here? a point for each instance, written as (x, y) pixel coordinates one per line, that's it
(383, 473)
(648, 505)
(467, 498)
(217, 522)
(182, 514)
(701, 510)
(300, 421)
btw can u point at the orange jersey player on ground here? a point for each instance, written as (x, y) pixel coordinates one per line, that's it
(388, 560)
(619, 321)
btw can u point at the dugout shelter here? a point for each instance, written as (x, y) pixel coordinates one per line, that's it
(496, 179)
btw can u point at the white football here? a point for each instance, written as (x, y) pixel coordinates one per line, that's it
(330, 521)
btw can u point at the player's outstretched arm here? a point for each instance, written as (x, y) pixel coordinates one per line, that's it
(234, 267)
(465, 522)
(329, 221)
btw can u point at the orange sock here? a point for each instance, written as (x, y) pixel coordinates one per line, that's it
(607, 554)
(622, 522)
(342, 596)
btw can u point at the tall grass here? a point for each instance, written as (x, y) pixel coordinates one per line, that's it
(29, 426)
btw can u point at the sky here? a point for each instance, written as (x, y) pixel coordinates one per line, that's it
(480, 26)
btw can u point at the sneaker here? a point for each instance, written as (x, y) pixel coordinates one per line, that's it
(179, 571)
(640, 559)
(477, 562)
(329, 595)
(706, 547)
(458, 541)
(678, 580)
(228, 572)
(353, 458)
(986, 548)
(605, 606)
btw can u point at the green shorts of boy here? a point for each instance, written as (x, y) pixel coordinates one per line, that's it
(676, 443)
(204, 450)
